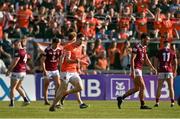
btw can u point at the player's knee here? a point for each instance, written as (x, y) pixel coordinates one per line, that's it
(17, 88)
(79, 88)
(142, 88)
(136, 89)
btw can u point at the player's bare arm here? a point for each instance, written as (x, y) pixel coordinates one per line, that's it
(14, 62)
(150, 64)
(43, 65)
(132, 65)
(175, 66)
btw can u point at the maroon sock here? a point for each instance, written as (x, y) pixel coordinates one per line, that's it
(157, 100)
(142, 102)
(172, 100)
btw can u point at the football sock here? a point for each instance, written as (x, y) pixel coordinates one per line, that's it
(172, 100)
(12, 101)
(25, 99)
(157, 100)
(142, 102)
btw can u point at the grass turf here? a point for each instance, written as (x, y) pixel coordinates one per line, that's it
(97, 109)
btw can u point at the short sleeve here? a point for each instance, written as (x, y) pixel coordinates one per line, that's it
(134, 50)
(16, 53)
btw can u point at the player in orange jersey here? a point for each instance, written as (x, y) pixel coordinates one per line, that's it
(69, 72)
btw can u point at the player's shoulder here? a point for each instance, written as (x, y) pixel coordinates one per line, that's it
(69, 46)
(135, 47)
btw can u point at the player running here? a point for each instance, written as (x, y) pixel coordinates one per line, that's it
(166, 69)
(18, 69)
(50, 60)
(69, 73)
(139, 56)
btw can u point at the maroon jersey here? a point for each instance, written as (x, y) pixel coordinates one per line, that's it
(140, 52)
(166, 57)
(52, 58)
(21, 65)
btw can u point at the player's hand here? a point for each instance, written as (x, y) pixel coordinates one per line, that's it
(132, 74)
(45, 73)
(7, 73)
(175, 74)
(155, 71)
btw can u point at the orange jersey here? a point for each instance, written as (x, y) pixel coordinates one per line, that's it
(166, 28)
(111, 54)
(1, 31)
(23, 18)
(142, 24)
(74, 53)
(124, 23)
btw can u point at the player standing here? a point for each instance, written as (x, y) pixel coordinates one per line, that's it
(50, 60)
(18, 69)
(139, 56)
(167, 68)
(69, 73)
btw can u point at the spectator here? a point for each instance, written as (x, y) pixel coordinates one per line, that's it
(23, 16)
(102, 63)
(3, 68)
(93, 23)
(126, 55)
(102, 34)
(6, 51)
(98, 47)
(114, 56)
(84, 58)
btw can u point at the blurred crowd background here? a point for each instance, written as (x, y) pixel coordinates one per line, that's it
(110, 28)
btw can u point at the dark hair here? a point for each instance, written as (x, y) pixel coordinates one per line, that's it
(55, 40)
(79, 35)
(144, 35)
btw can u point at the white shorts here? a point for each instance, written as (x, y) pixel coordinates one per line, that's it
(18, 75)
(165, 75)
(51, 74)
(138, 72)
(70, 76)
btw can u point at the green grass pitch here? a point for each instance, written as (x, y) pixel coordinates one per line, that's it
(97, 109)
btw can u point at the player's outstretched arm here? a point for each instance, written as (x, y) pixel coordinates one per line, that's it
(150, 64)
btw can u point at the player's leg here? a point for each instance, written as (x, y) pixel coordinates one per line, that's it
(59, 94)
(170, 82)
(14, 83)
(141, 93)
(81, 103)
(158, 92)
(78, 98)
(46, 84)
(21, 92)
(56, 78)
(132, 90)
(77, 83)
(57, 81)
(78, 86)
